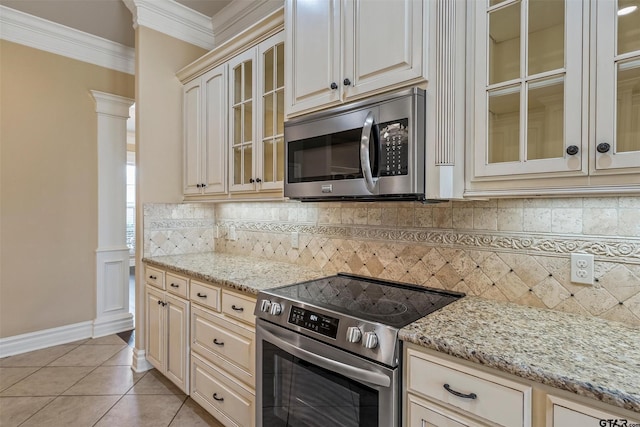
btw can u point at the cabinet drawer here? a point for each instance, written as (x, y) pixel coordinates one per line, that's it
(219, 394)
(206, 295)
(226, 344)
(154, 276)
(238, 306)
(499, 400)
(421, 413)
(177, 285)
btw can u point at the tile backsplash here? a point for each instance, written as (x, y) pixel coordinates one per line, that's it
(173, 229)
(514, 250)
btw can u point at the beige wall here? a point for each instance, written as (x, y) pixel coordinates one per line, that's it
(48, 225)
(158, 132)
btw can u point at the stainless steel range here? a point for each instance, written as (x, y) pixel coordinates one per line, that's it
(328, 352)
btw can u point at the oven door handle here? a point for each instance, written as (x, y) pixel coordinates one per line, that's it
(362, 375)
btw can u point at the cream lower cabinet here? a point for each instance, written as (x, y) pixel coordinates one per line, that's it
(223, 357)
(563, 412)
(167, 335)
(440, 391)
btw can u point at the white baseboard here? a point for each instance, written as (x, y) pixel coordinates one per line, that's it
(31, 341)
(112, 325)
(23, 343)
(140, 362)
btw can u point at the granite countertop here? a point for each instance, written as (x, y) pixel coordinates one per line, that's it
(242, 273)
(588, 356)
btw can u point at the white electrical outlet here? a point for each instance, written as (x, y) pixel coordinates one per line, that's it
(233, 236)
(582, 268)
(217, 232)
(295, 240)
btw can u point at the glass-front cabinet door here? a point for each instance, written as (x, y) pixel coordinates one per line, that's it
(257, 118)
(528, 97)
(271, 90)
(618, 85)
(241, 129)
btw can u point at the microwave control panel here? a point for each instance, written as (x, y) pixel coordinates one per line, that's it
(394, 148)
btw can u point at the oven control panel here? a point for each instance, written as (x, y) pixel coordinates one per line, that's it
(325, 325)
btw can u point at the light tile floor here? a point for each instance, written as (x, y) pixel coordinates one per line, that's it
(90, 383)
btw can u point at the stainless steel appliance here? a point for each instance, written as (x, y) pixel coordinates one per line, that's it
(328, 352)
(368, 150)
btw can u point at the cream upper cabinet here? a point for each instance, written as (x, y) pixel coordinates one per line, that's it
(555, 98)
(256, 131)
(617, 139)
(343, 50)
(205, 125)
(528, 95)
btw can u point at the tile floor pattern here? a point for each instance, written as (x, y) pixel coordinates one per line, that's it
(91, 383)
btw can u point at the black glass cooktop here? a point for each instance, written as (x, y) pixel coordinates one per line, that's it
(390, 303)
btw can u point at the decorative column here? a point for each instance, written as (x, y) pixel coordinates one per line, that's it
(112, 254)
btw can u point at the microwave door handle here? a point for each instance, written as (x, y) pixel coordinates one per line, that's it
(359, 374)
(365, 162)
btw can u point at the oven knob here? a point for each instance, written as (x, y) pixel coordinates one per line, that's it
(353, 334)
(370, 340)
(276, 309)
(265, 305)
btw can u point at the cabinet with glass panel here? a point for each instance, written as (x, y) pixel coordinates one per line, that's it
(257, 118)
(537, 82)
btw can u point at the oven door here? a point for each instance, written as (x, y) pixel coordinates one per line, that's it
(302, 382)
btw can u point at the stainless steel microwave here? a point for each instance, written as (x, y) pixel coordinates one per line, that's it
(368, 150)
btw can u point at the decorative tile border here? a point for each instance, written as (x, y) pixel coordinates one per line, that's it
(626, 249)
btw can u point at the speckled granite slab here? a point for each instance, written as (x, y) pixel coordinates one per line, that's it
(238, 272)
(588, 356)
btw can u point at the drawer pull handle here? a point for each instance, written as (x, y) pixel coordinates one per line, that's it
(152, 277)
(237, 308)
(216, 342)
(173, 285)
(201, 295)
(457, 393)
(219, 399)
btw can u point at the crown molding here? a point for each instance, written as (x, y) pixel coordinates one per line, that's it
(240, 15)
(173, 19)
(28, 30)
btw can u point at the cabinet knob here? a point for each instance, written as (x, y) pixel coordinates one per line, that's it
(159, 302)
(251, 180)
(258, 180)
(198, 185)
(333, 86)
(347, 82)
(572, 150)
(603, 147)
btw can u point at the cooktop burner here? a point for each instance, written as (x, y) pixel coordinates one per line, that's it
(358, 314)
(391, 303)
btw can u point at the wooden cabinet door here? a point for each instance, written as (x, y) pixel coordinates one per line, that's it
(214, 138)
(312, 54)
(528, 89)
(177, 336)
(384, 42)
(617, 142)
(270, 126)
(155, 341)
(192, 116)
(242, 132)
(421, 413)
